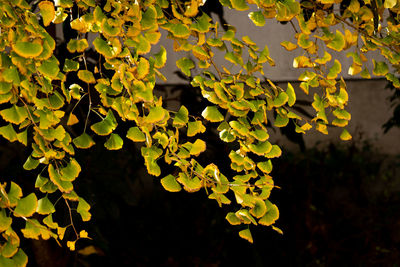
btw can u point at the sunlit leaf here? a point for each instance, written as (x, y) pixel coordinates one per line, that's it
(45, 206)
(170, 184)
(271, 215)
(212, 114)
(27, 49)
(185, 65)
(15, 114)
(257, 18)
(246, 234)
(86, 76)
(136, 135)
(47, 12)
(114, 142)
(83, 141)
(345, 135)
(26, 206)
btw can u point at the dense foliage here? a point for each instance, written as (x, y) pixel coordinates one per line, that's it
(112, 78)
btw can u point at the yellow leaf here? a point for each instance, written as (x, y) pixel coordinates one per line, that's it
(47, 12)
(72, 119)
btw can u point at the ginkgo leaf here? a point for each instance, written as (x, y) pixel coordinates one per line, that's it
(281, 121)
(291, 95)
(70, 65)
(265, 166)
(170, 184)
(103, 48)
(86, 76)
(232, 219)
(15, 114)
(26, 206)
(380, 68)
(239, 5)
(45, 206)
(246, 234)
(71, 171)
(106, 126)
(281, 99)
(259, 208)
(47, 12)
(275, 152)
(289, 46)
(72, 119)
(195, 127)
(345, 135)
(160, 58)
(156, 114)
(197, 147)
(114, 142)
(49, 67)
(83, 141)
(5, 221)
(271, 215)
(31, 163)
(83, 209)
(338, 42)
(27, 49)
(8, 132)
(257, 18)
(185, 65)
(142, 68)
(212, 114)
(181, 117)
(261, 148)
(136, 135)
(334, 70)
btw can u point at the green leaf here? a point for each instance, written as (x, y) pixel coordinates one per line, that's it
(275, 152)
(55, 177)
(45, 206)
(49, 68)
(338, 42)
(143, 68)
(257, 18)
(11, 75)
(20, 259)
(345, 135)
(239, 5)
(271, 215)
(281, 121)
(149, 18)
(261, 148)
(103, 48)
(106, 126)
(83, 209)
(181, 117)
(31, 163)
(380, 68)
(212, 114)
(5, 87)
(260, 135)
(265, 166)
(259, 208)
(83, 141)
(156, 114)
(86, 76)
(291, 95)
(232, 219)
(70, 65)
(334, 70)
(281, 99)
(170, 184)
(8, 132)
(195, 127)
(26, 206)
(71, 171)
(161, 58)
(114, 142)
(15, 114)
(202, 24)
(246, 234)
(197, 147)
(27, 49)
(14, 194)
(342, 114)
(185, 65)
(136, 135)
(5, 222)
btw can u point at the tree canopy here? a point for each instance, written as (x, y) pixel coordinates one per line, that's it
(114, 77)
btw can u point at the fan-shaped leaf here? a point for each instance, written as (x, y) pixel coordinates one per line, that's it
(170, 184)
(26, 206)
(83, 141)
